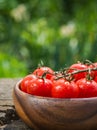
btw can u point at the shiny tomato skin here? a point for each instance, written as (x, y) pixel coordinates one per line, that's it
(87, 88)
(65, 89)
(93, 73)
(95, 64)
(77, 67)
(95, 79)
(25, 81)
(41, 70)
(56, 78)
(40, 87)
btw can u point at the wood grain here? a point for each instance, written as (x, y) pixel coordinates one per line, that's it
(6, 103)
(43, 113)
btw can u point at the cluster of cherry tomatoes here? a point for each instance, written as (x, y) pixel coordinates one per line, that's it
(77, 81)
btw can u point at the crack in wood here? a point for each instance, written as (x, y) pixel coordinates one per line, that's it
(7, 106)
(9, 119)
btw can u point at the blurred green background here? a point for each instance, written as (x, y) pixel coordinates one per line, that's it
(57, 32)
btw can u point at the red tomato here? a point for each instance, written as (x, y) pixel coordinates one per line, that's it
(40, 87)
(25, 81)
(65, 89)
(58, 81)
(55, 77)
(95, 64)
(93, 72)
(95, 79)
(87, 88)
(77, 67)
(40, 71)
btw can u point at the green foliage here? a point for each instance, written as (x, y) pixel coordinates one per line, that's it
(57, 32)
(11, 67)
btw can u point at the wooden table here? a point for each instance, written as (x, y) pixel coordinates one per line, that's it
(7, 107)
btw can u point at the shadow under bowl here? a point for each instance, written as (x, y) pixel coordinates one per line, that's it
(44, 113)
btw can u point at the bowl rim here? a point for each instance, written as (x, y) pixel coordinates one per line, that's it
(17, 88)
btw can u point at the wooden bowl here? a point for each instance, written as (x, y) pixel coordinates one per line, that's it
(42, 113)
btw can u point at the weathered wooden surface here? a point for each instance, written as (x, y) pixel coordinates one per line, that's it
(7, 106)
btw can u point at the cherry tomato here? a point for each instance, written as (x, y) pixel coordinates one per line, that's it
(77, 67)
(40, 87)
(25, 81)
(93, 72)
(95, 79)
(40, 71)
(65, 89)
(56, 76)
(87, 88)
(95, 64)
